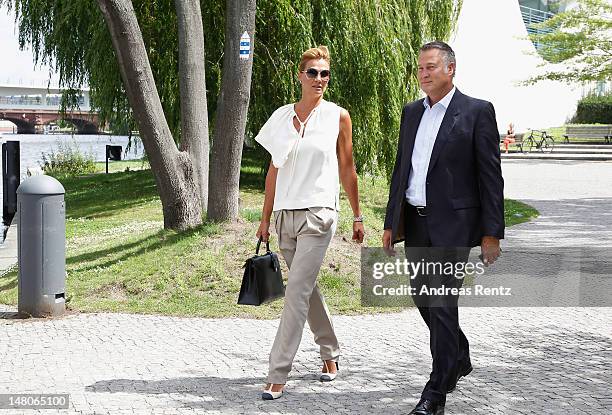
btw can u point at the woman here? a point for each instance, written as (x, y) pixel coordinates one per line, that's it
(510, 137)
(312, 151)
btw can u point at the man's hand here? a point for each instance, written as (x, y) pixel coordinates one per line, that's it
(386, 242)
(489, 248)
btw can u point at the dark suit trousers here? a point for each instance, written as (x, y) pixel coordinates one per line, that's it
(449, 346)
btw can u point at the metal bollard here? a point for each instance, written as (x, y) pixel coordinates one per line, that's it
(10, 180)
(41, 248)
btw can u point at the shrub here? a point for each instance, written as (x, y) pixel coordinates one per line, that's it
(68, 160)
(594, 109)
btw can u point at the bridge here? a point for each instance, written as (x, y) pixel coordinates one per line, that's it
(31, 107)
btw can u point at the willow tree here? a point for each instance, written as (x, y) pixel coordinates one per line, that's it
(374, 46)
(76, 37)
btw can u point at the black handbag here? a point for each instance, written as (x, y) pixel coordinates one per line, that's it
(262, 281)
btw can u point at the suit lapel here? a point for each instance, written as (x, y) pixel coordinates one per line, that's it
(448, 122)
(414, 119)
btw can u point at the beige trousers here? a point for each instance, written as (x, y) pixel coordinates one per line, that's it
(303, 238)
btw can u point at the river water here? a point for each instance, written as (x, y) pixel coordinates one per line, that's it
(33, 145)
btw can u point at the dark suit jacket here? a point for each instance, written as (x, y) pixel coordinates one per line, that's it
(464, 186)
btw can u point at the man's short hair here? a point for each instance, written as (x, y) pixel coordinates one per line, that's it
(448, 52)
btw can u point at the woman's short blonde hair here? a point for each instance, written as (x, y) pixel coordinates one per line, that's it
(320, 52)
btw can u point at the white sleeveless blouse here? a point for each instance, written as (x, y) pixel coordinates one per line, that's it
(307, 166)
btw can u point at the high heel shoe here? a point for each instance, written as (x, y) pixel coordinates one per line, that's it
(327, 376)
(268, 394)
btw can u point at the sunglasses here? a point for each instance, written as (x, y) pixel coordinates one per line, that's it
(312, 73)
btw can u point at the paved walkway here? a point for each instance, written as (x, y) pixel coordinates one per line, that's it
(8, 249)
(527, 360)
(574, 200)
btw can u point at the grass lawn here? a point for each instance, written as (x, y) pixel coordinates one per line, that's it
(119, 257)
(558, 132)
(123, 165)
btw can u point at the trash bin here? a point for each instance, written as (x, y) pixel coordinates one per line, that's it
(41, 248)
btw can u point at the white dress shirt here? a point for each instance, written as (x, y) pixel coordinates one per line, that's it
(423, 146)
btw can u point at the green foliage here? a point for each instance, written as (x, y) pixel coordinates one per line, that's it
(374, 46)
(251, 214)
(67, 161)
(581, 39)
(594, 109)
(374, 49)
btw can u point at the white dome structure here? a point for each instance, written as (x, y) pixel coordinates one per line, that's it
(490, 46)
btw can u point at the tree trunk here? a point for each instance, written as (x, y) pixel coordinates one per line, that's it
(173, 169)
(230, 121)
(192, 81)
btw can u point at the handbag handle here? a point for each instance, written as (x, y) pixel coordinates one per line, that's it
(259, 244)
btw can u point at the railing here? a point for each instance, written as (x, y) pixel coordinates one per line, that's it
(35, 100)
(532, 17)
(20, 101)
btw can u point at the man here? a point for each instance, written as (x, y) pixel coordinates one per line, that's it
(446, 191)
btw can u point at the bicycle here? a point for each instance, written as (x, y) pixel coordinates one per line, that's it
(545, 143)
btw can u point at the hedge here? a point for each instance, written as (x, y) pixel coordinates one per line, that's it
(594, 109)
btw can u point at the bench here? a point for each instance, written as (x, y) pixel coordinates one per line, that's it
(588, 131)
(518, 141)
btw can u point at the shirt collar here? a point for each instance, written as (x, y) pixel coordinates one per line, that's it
(444, 101)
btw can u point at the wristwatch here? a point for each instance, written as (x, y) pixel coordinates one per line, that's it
(358, 218)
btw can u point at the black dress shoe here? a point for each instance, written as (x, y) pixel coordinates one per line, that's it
(427, 407)
(466, 370)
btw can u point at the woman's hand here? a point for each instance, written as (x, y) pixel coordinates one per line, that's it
(358, 232)
(264, 230)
